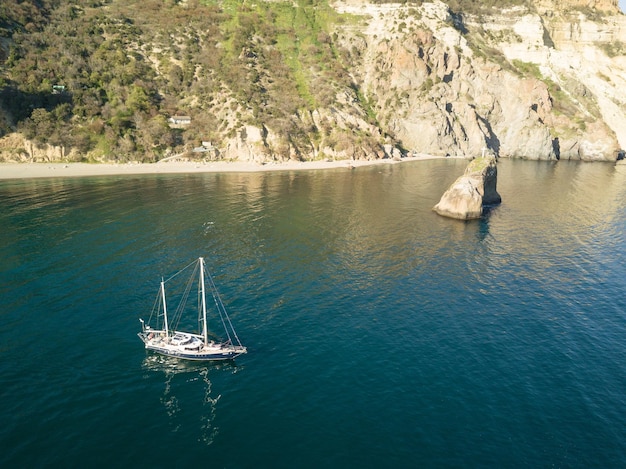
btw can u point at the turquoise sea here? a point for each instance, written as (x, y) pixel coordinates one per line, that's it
(379, 334)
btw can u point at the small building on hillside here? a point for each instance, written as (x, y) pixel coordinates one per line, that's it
(179, 121)
(204, 147)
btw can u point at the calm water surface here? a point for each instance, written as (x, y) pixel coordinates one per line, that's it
(379, 334)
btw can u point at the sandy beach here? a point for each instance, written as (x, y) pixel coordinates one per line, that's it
(47, 170)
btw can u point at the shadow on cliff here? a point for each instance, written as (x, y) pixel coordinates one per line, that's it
(556, 147)
(493, 142)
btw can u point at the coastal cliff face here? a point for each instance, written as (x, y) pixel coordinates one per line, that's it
(521, 83)
(468, 196)
(546, 84)
(543, 80)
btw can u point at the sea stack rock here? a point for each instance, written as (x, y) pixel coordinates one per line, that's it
(469, 194)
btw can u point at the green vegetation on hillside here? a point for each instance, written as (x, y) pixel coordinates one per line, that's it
(485, 6)
(104, 76)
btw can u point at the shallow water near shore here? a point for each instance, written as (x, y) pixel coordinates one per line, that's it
(379, 334)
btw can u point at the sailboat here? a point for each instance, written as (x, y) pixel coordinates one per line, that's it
(165, 338)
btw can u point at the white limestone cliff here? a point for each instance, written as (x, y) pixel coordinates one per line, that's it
(519, 83)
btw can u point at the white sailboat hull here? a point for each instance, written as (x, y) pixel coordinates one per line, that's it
(189, 346)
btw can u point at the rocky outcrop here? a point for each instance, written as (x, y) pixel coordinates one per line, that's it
(15, 148)
(468, 196)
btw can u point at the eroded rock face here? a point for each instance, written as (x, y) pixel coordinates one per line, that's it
(545, 88)
(15, 148)
(469, 194)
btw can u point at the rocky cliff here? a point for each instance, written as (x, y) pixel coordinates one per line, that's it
(540, 80)
(545, 81)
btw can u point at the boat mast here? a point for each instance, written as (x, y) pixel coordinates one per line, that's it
(164, 306)
(204, 327)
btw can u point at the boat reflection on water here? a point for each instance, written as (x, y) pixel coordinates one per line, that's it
(187, 395)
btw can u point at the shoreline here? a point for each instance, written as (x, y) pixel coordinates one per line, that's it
(53, 170)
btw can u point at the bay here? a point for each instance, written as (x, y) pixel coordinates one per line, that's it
(379, 334)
